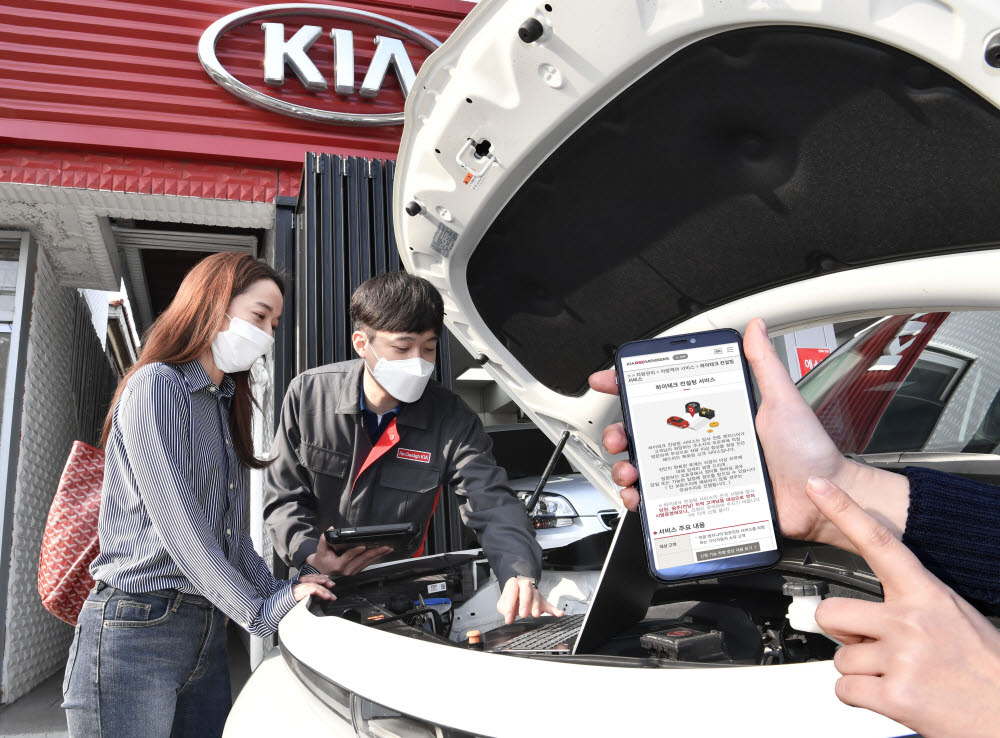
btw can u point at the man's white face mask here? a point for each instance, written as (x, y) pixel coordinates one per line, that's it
(404, 379)
(238, 348)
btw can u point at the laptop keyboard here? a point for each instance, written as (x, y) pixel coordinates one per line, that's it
(548, 636)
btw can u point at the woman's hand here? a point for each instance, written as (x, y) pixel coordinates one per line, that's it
(796, 447)
(924, 657)
(316, 579)
(318, 585)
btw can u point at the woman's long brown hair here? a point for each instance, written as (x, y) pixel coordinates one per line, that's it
(186, 329)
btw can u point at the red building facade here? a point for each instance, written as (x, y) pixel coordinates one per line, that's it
(110, 95)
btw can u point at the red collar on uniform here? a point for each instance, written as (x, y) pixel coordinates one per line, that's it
(388, 439)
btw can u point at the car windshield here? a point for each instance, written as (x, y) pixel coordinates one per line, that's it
(918, 382)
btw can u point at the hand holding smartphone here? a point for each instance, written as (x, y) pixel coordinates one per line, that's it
(706, 504)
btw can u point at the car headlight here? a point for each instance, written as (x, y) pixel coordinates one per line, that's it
(552, 511)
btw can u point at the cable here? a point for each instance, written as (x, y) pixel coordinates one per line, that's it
(435, 618)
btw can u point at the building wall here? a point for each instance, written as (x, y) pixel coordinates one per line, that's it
(146, 175)
(36, 642)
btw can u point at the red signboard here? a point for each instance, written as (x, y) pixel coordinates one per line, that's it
(124, 76)
(810, 357)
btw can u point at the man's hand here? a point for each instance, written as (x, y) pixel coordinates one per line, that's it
(796, 447)
(521, 598)
(349, 562)
(924, 657)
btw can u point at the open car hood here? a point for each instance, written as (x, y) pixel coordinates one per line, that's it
(650, 167)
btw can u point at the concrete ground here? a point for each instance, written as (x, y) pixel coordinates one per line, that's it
(38, 714)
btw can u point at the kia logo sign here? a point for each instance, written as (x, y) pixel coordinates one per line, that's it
(290, 50)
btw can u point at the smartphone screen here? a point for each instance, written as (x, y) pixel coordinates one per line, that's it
(706, 501)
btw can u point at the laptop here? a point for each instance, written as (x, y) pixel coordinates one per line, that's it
(622, 597)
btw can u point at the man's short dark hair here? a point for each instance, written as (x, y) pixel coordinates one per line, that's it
(397, 302)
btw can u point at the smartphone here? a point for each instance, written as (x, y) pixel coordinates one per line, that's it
(401, 536)
(706, 504)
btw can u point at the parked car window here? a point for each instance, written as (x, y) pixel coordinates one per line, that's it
(919, 382)
(523, 450)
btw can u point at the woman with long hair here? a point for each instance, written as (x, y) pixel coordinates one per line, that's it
(149, 654)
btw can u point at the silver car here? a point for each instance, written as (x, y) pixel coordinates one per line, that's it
(568, 508)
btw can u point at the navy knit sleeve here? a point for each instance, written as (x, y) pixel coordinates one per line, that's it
(953, 526)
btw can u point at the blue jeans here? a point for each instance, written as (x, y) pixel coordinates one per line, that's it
(150, 664)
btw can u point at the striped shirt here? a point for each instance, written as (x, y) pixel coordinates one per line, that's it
(172, 505)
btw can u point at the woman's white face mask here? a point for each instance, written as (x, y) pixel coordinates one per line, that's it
(404, 379)
(239, 347)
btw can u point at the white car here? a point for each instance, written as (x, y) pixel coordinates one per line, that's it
(581, 173)
(569, 510)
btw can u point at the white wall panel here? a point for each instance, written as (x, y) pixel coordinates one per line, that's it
(37, 642)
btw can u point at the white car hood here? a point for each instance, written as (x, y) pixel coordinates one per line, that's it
(660, 166)
(785, 700)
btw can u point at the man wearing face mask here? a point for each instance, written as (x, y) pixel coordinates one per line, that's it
(374, 441)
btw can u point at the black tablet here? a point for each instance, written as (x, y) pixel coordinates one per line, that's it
(401, 536)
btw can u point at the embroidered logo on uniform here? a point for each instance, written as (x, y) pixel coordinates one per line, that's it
(408, 453)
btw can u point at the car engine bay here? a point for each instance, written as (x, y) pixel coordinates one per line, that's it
(732, 621)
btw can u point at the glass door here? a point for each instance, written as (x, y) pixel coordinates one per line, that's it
(9, 254)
